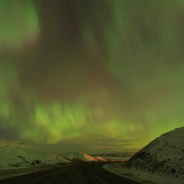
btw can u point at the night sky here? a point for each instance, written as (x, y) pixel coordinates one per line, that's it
(91, 75)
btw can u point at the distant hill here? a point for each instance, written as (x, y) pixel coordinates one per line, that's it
(116, 154)
(79, 156)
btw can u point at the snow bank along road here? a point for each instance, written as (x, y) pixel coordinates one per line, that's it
(78, 173)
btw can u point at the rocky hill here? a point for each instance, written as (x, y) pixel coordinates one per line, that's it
(164, 156)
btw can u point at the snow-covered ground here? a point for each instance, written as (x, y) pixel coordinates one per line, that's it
(161, 161)
(14, 154)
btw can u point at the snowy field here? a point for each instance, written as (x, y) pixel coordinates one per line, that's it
(19, 158)
(141, 176)
(14, 154)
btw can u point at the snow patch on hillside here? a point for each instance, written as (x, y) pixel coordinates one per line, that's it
(79, 156)
(100, 158)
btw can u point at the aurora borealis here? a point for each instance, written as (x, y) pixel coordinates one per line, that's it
(91, 76)
(19, 24)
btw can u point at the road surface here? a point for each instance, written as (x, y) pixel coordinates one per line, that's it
(78, 173)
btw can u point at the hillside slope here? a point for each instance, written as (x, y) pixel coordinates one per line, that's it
(160, 162)
(14, 154)
(162, 157)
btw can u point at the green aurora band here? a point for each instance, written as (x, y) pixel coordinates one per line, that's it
(121, 88)
(19, 24)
